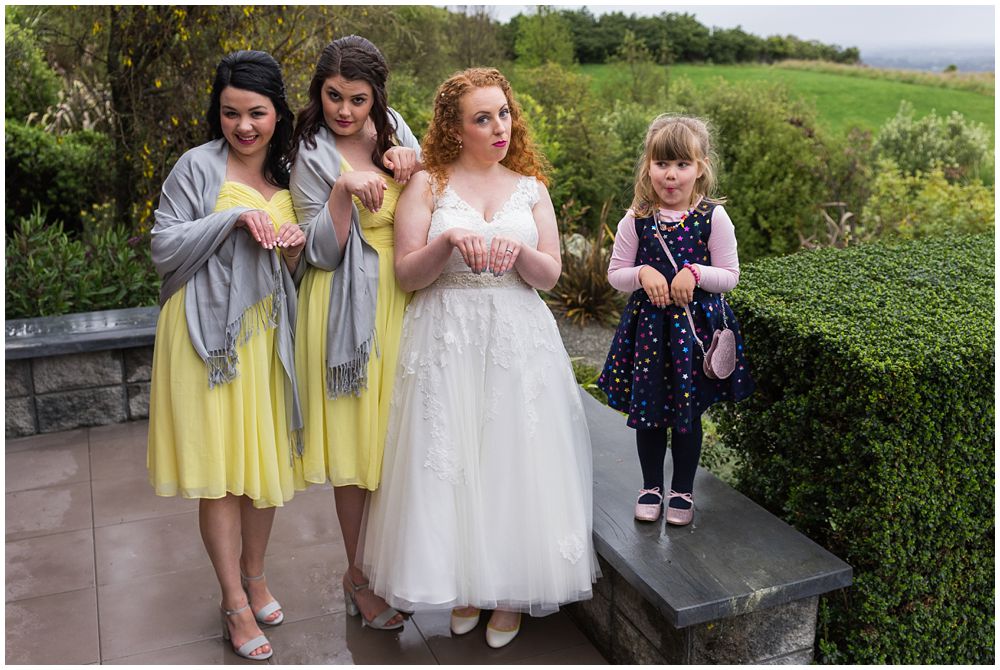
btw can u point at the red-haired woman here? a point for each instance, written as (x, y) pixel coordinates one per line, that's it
(486, 496)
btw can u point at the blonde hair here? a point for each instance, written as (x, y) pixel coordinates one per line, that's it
(440, 147)
(669, 138)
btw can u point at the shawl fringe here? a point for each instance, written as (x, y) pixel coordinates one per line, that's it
(223, 364)
(351, 377)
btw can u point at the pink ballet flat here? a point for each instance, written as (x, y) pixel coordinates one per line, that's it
(676, 516)
(645, 512)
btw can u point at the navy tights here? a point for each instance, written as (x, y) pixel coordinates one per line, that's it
(685, 449)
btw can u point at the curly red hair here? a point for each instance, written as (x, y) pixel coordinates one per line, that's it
(440, 146)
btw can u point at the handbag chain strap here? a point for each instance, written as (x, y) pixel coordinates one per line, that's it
(670, 257)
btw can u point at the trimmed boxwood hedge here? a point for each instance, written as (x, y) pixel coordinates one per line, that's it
(872, 432)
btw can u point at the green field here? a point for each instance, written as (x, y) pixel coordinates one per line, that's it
(840, 101)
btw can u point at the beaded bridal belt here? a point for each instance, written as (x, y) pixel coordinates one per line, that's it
(485, 280)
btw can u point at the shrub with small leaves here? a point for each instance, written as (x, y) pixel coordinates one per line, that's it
(50, 272)
(925, 205)
(872, 432)
(66, 174)
(960, 147)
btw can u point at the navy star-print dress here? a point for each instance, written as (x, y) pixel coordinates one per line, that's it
(654, 368)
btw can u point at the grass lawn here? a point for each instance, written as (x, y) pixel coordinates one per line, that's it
(841, 101)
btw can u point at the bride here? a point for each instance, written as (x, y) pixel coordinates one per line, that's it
(486, 502)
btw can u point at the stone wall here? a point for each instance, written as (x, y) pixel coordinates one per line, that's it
(53, 393)
(628, 629)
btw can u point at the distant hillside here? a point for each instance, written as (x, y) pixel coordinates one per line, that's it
(933, 59)
(841, 100)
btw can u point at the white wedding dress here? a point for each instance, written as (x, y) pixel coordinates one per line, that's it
(487, 476)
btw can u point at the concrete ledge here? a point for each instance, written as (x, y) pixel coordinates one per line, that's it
(738, 585)
(78, 333)
(89, 369)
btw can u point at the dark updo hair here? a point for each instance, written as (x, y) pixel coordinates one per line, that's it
(356, 59)
(258, 72)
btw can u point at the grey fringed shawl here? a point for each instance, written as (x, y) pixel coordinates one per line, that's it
(227, 275)
(350, 330)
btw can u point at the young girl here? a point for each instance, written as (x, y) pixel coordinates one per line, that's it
(654, 370)
(223, 409)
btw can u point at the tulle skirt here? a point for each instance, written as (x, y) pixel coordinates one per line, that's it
(486, 497)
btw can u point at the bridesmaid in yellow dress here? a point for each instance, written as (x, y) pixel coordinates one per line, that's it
(224, 414)
(352, 156)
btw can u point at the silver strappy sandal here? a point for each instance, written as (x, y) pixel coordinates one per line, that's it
(244, 649)
(268, 609)
(380, 622)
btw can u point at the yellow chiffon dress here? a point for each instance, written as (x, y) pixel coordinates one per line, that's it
(234, 438)
(345, 437)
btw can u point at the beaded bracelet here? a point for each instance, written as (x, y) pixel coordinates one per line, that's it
(694, 271)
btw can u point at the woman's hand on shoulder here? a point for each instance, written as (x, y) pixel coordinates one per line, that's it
(258, 224)
(402, 161)
(368, 186)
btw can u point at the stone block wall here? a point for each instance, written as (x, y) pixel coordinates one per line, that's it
(53, 393)
(630, 630)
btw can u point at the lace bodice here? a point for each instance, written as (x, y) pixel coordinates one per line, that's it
(514, 219)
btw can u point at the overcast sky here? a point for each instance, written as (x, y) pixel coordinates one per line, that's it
(860, 25)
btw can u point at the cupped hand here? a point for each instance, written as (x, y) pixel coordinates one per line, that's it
(292, 239)
(260, 227)
(369, 187)
(682, 288)
(503, 253)
(402, 161)
(471, 246)
(655, 285)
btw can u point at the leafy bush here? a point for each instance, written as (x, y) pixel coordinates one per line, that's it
(49, 272)
(925, 205)
(30, 85)
(772, 161)
(917, 145)
(872, 432)
(636, 74)
(583, 293)
(64, 173)
(590, 165)
(412, 100)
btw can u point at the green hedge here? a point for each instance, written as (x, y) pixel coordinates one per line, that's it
(66, 174)
(872, 432)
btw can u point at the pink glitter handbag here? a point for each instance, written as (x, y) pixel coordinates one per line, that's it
(719, 360)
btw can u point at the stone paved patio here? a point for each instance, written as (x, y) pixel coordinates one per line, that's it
(99, 570)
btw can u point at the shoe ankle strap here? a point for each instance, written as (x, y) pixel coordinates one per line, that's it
(355, 587)
(252, 579)
(235, 611)
(682, 496)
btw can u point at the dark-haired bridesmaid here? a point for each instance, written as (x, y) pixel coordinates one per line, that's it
(224, 414)
(352, 157)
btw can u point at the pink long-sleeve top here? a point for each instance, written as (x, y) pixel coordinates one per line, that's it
(721, 276)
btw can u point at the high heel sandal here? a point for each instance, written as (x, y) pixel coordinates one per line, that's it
(268, 609)
(460, 625)
(677, 516)
(244, 649)
(497, 638)
(380, 622)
